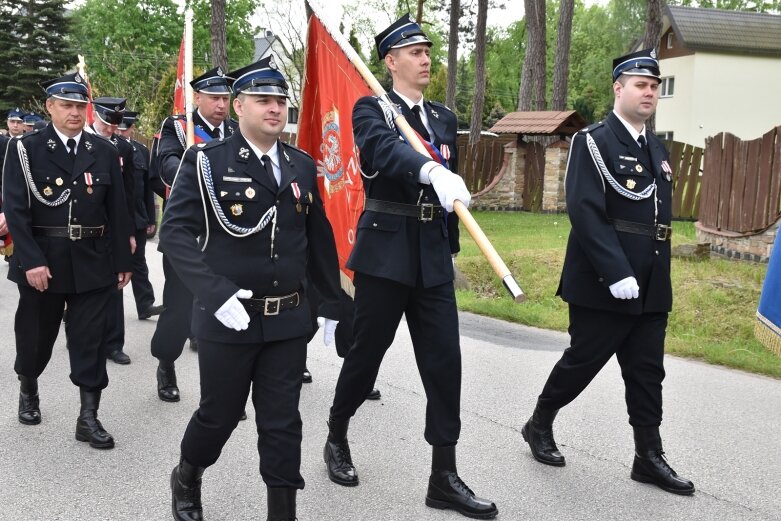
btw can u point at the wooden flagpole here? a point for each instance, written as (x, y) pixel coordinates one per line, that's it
(188, 75)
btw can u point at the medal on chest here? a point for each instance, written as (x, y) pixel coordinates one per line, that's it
(296, 196)
(668, 171)
(88, 182)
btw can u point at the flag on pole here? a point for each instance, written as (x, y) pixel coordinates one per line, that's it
(331, 87)
(768, 326)
(82, 68)
(179, 102)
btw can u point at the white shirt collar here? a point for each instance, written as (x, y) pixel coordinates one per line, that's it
(211, 127)
(632, 131)
(409, 102)
(65, 138)
(272, 153)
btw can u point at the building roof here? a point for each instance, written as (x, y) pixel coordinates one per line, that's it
(543, 122)
(726, 31)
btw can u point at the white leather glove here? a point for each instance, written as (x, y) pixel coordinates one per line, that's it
(232, 314)
(625, 288)
(449, 187)
(329, 329)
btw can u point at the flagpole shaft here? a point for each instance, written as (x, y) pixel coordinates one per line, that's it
(490, 253)
(188, 75)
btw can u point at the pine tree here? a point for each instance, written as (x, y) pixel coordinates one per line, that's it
(7, 44)
(40, 50)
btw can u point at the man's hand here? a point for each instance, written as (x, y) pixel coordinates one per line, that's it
(150, 231)
(232, 314)
(39, 277)
(132, 244)
(625, 288)
(3, 224)
(123, 279)
(449, 187)
(329, 329)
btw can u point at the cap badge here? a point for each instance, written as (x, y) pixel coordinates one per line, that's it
(237, 209)
(244, 153)
(271, 63)
(630, 183)
(51, 144)
(219, 72)
(77, 78)
(118, 108)
(653, 53)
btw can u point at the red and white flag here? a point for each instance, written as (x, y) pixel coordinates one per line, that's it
(179, 104)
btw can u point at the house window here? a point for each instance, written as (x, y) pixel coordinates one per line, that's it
(667, 88)
(670, 40)
(292, 115)
(665, 136)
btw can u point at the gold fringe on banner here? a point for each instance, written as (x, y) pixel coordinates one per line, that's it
(768, 334)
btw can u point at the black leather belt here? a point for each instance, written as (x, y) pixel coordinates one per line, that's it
(73, 232)
(658, 232)
(270, 306)
(422, 212)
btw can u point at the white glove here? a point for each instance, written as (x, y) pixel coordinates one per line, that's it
(449, 187)
(625, 289)
(329, 329)
(232, 314)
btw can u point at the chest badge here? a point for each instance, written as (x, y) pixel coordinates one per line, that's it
(244, 153)
(249, 192)
(630, 183)
(47, 191)
(51, 144)
(58, 181)
(237, 209)
(639, 168)
(88, 145)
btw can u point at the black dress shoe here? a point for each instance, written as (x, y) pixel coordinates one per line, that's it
(151, 311)
(447, 490)
(118, 357)
(307, 376)
(186, 492)
(29, 403)
(374, 394)
(652, 467)
(538, 433)
(88, 427)
(194, 344)
(336, 454)
(167, 390)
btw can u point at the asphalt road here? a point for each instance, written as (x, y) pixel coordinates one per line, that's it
(721, 430)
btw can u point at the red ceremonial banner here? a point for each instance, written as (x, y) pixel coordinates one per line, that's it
(179, 107)
(332, 85)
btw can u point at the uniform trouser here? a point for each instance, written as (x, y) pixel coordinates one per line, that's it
(595, 335)
(273, 369)
(142, 289)
(37, 324)
(115, 325)
(432, 319)
(174, 323)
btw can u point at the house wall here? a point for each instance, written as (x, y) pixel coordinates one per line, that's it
(720, 93)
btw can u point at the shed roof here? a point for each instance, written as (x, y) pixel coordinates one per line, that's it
(726, 31)
(542, 122)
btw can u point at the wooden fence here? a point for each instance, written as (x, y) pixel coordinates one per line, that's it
(741, 186)
(479, 164)
(686, 163)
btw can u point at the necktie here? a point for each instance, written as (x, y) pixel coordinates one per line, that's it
(419, 126)
(641, 142)
(269, 169)
(71, 148)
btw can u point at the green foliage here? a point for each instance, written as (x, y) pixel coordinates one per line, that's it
(714, 300)
(35, 49)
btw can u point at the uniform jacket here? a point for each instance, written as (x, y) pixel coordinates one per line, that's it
(598, 255)
(127, 167)
(3, 146)
(214, 265)
(144, 197)
(171, 146)
(76, 266)
(396, 247)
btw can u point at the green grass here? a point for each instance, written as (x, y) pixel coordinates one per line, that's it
(714, 301)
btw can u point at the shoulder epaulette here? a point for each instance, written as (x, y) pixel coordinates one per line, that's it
(591, 127)
(208, 144)
(295, 149)
(438, 104)
(107, 140)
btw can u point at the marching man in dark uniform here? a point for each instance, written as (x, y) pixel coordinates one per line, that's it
(211, 121)
(252, 203)
(15, 123)
(65, 205)
(616, 276)
(143, 219)
(403, 266)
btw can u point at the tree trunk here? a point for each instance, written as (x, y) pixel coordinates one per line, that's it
(653, 32)
(561, 61)
(452, 54)
(219, 54)
(419, 13)
(476, 124)
(531, 95)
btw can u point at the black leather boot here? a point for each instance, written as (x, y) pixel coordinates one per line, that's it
(186, 492)
(88, 427)
(337, 454)
(29, 403)
(538, 433)
(167, 390)
(281, 504)
(446, 490)
(650, 465)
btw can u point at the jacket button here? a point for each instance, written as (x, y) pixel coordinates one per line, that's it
(600, 279)
(276, 256)
(275, 283)
(657, 252)
(75, 220)
(374, 224)
(277, 228)
(74, 183)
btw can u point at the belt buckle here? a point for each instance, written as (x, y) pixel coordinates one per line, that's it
(426, 218)
(663, 232)
(275, 301)
(74, 228)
